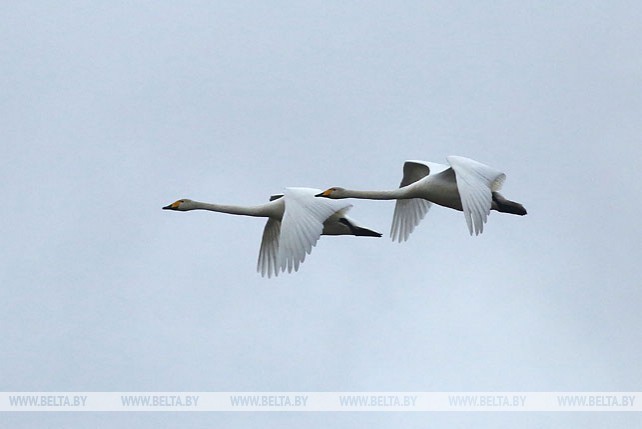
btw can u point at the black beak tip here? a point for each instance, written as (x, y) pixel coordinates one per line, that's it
(320, 194)
(167, 207)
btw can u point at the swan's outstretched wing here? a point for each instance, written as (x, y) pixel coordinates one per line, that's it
(302, 224)
(475, 183)
(268, 254)
(408, 213)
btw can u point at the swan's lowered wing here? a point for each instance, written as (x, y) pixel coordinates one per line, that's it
(302, 224)
(475, 183)
(268, 254)
(408, 213)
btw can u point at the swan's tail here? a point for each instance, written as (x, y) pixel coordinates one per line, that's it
(357, 230)
(364, 232)
(503, 205)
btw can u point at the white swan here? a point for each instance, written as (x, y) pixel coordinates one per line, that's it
(464, 185)
(296, 219)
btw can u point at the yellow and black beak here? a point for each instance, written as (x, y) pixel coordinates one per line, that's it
(325, 193)
(172, 206)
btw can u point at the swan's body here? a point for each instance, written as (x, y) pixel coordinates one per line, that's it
(296, 220)
(465, 185)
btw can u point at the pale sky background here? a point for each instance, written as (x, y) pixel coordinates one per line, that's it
(111, 110)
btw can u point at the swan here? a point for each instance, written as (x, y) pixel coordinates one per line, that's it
(465, 185)
(296, 219)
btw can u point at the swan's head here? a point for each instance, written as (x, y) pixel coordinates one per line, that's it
(181, 205)
(335, 193)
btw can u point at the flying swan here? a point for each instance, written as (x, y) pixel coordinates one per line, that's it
(296, 219)
(465, 185)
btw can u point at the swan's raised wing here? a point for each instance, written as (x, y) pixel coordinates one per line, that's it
(475, 183)
(268, 254)
(408, 213)
(413, 171)
(302, 224)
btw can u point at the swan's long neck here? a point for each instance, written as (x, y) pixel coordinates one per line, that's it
(265, 210)
(395, 194)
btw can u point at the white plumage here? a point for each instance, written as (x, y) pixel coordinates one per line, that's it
(296, 220)
(464, 184)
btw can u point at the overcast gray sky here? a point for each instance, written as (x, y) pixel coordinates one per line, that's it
(110, 110)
